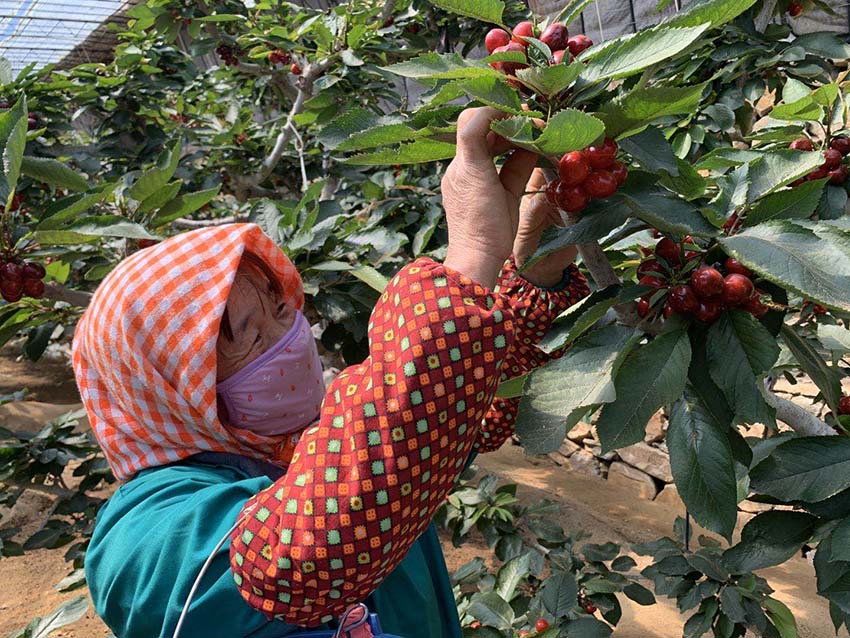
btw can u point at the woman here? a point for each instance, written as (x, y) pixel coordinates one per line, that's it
(203, 385)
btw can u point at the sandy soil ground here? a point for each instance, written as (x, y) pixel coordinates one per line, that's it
(610, 513)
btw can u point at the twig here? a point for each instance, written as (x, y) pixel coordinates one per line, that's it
(183, 222)
(55, 291)
(797, 418)
(387, 11)
(765, 15)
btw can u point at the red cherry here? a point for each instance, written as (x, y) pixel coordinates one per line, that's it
(683, 300)
(34, 288)
(572, 198)
(818, 173)
(668, 250)
(11, 291)
(590, 609)
(541, 625)
(496, 38)
(818, 309)
(147, 243)
(692, 254)
(649, 266)
(642, 308)
(579, 43)
(295, 69)
(801, 144)
(668, 310)
(523, 30)
(707, 282)
(555, 36)
(33, 270)
(844, 405)
(737, 289)
(510, 68)
(838, 175)
(832, 158)
(708, 311)
(754, 305)
(652, 280)
(573, 168)
(733, 266)
(552, 192)
(840, 144)
(602, 156)
(729, 223)
(601, 184)
(10, 271)
(557, 57)
(620, 172)
(795, 9)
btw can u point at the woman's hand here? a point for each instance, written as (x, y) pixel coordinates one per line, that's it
(536, 215)
(481, 203)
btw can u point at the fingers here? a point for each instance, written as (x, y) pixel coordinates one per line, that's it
(473, 129)
(517, 170)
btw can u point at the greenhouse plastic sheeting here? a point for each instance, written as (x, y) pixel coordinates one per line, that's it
(45, 31)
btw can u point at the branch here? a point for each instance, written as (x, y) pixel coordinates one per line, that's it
(797, 418)
(183, 222)
(55, 291)
(387, 11)
(765, 15)
(305, 92)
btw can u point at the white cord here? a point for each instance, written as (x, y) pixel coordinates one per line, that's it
(203, 571)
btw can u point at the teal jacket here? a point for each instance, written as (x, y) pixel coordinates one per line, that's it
(152, 537)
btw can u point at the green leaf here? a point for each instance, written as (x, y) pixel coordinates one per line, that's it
(160, 197)
(640, 594)
(650, 377)
(558, 594)
(739, 351)
(54, 173)
(587, 627)
(382, 135)
(569, 130)
(441, 66)
(418, 152)
(827, 45)
(495, 92)
(110, 226)
(351, 122)
(511, 574)
(492, 610)
(713, 12)
(833, 577)
(155, 178)
(841, 541)
(38, 340)
(805, 469)
(702, 465)
(519, 130)
(640, 107)
(582, 377)
(572, 10)
(13, 139)
(69, 208)
(797, 259)
(183, 205)
(793, 203)
(573, 322)
(512, 388)
(834, 338)
(774, 170)
(825, 377)
(781, 617)
(661, 209)
(484, 10)
(632, 53)
(833, 204)
(65, 614)
(550, 80)
(769, 539)
(652, 150)
(370, 277)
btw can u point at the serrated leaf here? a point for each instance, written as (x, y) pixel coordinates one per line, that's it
(739, 351)
(183, 205)
(492, 610)
(702, 465)
(793, 203)
(630, 54)
(661, 209)
(797, 259)
(382, 135)
(781, 617)
(774, 170)
(640, 594)
(834, 338)
(484, 10)
(65, 614)
(351, 122)
(587, 627)
(13, 139)
(155, 178)
(495, 92)
(574, 321)
(641, 107)
(558, 594)
(805, 469)
(841, 541)
(833, 204)
(569, 130)
(418, 152)
(650, 377)
(512, 388)
(511, 574)
(652, 151)
(713, 12)
(441, 66)
(67, 209)
(518, 130)
(827, 45)
(110, 226)
(54, 173)
(582, 377)
(160, 197)
(769, 539)
(550, 80)
(572, 11)
(825, 377)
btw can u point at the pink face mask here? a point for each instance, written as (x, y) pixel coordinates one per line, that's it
(282, 390)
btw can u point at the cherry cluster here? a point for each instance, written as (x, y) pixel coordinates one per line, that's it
(696, 289)
(593, 173)
(833, 165)
(279, 56)
(228, 54)
(32, 118)
(19, 278)
(555, 36)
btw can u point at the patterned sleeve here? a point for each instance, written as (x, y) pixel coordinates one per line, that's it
(534, 309)
(394, 434)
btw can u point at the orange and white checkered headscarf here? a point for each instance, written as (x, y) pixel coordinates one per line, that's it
(144, 352)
